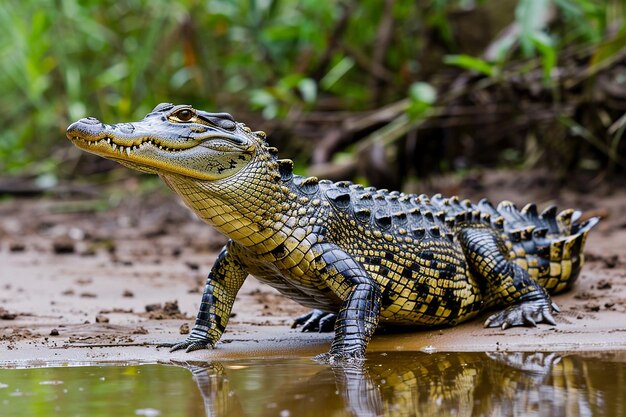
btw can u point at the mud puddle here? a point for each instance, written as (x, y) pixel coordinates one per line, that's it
(388, 384)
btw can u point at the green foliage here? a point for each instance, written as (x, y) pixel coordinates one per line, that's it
(422, 96)
(66, 59)
(532, 17)
(60, 62)
(471, 63)
(585, 22)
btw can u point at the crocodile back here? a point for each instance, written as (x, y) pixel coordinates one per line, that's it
(549, 245)
(404, 242)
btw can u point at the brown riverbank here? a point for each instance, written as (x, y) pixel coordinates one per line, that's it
(76, 283)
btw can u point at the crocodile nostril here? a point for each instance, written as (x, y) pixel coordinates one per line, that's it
(89, 121)
(88, 126)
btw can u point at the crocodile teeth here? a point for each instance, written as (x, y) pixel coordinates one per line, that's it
(114, 146)
(128, 151)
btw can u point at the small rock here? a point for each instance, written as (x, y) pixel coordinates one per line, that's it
(192, 265)
(128, 293)
(184, 328)
(54, 332)
(5, 315)
(153, 307)
(63, 245)
(169, 310)
(102, 319)
(171, 307)
(611, 261)
(583, 295)
(603, 285)
(155, 232)
(116, 310)
(17, 247)
(140, 330)
(88, 295)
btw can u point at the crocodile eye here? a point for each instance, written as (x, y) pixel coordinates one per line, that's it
(184, 115)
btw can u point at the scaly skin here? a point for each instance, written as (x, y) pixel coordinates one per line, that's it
(360, 256)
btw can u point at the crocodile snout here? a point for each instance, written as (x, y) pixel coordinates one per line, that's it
(89, 126)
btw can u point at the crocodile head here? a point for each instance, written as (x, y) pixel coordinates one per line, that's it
(173, 140)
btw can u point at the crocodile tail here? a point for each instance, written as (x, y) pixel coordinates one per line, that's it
(549, 245)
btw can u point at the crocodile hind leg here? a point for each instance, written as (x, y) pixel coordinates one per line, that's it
(505, 282)
(220, 290)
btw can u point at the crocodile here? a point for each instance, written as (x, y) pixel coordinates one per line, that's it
(360, 257)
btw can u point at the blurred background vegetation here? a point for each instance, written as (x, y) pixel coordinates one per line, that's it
(385, 91)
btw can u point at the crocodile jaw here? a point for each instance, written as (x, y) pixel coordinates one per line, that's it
(213, 156)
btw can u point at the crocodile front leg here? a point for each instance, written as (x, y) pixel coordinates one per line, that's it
(360, 310)
(222, 285)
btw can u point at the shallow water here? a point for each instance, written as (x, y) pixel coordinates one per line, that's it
(393, 384)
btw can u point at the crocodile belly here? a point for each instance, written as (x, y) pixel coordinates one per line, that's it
(302, 293)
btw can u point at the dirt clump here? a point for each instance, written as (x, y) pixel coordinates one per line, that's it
(167, 311)
(5, 315)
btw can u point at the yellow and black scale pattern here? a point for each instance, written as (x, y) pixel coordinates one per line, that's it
(359, 255)
(373, 256)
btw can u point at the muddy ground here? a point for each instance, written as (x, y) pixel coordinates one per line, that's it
(106, 273)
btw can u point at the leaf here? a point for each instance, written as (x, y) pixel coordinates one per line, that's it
(531, 17)
(422, 96)
(308, 90)
(114, 74)
(261, 98)
(608, 50)
(423, 93)
(470, 63)
(339, 70)
(547, 50)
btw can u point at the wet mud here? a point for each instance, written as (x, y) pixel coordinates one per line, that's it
(108, 277)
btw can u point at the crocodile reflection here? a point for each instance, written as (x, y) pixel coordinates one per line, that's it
(419, 384)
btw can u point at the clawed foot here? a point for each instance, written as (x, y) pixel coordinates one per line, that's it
(536, 362)
(189, 344)
(316, 321)
(528, 313)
